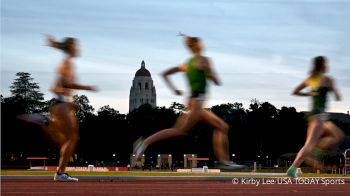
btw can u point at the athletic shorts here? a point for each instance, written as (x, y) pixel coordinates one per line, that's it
(60, 98)
(198, 95)
(323, 116)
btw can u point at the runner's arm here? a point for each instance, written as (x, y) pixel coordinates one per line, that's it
(299, 88)
(211, 75)
(171, 71)
(335, 89)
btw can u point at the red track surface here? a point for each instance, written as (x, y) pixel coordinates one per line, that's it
(159, 188)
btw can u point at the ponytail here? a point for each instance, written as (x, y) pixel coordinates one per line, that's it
(65, 45)
(191, 42)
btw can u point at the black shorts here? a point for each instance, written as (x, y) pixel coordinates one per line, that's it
(59, 99)
(198, 95)
(319, 112)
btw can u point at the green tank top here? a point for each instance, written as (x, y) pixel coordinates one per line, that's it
(196, 77)
(319, 100)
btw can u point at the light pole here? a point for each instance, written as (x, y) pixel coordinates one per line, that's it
(114, 157)
(267, 161)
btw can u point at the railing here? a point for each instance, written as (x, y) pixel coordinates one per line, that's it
(346, 161)
(30, 159)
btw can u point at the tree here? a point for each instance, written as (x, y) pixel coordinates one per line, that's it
(85, 109)
(177, 107)
(106, 111)
(48, 104)
(254, 104)
(25, 92)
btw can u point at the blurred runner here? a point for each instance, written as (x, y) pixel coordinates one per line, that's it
(322, 134)
(62, 124)
(198, 70)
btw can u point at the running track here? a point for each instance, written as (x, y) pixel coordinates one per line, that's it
(159, 188)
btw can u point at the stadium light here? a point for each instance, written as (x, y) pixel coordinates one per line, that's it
(158, 155)
(169, 155)
(192, 155)
(233, 155)
(114, 155)
(143, 155)
(184, 155)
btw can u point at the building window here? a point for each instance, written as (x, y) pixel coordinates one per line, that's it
(140, 85)
(146, 86)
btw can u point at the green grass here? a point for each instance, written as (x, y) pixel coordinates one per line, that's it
(139, 173)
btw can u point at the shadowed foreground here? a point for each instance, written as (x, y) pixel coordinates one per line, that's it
(45, 187)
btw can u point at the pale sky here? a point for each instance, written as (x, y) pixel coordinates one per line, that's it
(260, 48)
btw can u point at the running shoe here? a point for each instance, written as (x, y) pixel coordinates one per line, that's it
(139, 148)
(64, 178)
(292, 172)
(229, 165)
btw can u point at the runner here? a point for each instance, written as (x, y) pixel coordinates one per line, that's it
(62, 125)
(198, 70)
(322, 134)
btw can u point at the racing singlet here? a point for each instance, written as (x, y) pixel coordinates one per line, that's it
(196, 78)
(319, 99)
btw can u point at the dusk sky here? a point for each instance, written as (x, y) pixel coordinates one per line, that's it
(260, 48)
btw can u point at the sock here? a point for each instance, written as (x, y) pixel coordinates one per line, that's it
(291, 170)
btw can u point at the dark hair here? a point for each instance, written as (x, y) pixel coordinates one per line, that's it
(65, 45)
(318, 64)
(192, 43)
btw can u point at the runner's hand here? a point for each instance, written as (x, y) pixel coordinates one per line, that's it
(178, 92)
(91, 88)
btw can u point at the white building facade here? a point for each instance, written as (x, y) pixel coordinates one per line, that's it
(142, 90)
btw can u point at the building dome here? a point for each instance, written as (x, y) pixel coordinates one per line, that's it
(142, 90)
(143, 71)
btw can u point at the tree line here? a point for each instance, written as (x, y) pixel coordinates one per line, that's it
(260, 133)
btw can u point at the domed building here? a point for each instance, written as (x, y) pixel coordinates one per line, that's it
(142, 90)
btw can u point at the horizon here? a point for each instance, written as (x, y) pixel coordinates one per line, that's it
(246, 107)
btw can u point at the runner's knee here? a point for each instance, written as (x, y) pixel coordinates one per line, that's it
(306, 149)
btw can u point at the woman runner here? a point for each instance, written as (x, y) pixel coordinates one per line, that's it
(322, 134)
(62, 126)
(198, 70)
